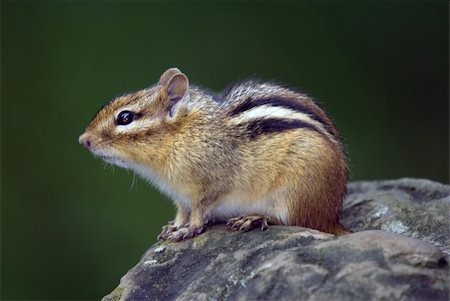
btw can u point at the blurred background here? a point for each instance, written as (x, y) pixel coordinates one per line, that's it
(70, 228)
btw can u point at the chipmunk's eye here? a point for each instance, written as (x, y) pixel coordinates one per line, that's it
(125, 117)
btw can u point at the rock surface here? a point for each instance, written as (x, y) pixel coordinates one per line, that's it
(294, 263)
(411, 207)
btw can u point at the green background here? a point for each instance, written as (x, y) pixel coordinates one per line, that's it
(70, 228)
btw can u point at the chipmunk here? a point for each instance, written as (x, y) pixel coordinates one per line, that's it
(255, 155)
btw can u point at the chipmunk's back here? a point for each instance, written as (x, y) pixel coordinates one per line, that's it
(293, 163)
(273, 108)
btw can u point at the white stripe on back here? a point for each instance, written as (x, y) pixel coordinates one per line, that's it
(268, 111)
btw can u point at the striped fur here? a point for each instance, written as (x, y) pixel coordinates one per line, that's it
(269, 114)
(292, 105)
(260, 127)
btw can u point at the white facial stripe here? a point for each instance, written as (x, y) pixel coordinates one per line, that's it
(268, 112)
(137, 125)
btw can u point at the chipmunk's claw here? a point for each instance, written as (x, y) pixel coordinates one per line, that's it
(185, 233)
(247, 223)
(166, 230)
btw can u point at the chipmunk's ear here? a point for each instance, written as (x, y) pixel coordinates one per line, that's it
(164, 79)
(175, 85)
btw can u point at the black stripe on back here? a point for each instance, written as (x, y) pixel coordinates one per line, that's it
(281, 102)
(261, 127)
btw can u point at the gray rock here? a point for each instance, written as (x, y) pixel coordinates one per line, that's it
(411, 207)
(295, 263)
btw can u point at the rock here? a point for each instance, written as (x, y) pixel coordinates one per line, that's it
(411, 207)
(295, 263)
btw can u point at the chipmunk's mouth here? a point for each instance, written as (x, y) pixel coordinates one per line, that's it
(114, 160)
(108, 158)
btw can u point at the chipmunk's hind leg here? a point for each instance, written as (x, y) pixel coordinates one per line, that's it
(249, 222)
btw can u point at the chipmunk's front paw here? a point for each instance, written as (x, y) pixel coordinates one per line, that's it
(249, 222)
(185, 233)
(166, 230)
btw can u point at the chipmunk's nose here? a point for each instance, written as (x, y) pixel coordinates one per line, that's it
(84, 141)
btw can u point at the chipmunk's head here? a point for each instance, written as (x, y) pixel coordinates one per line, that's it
(130, 129)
